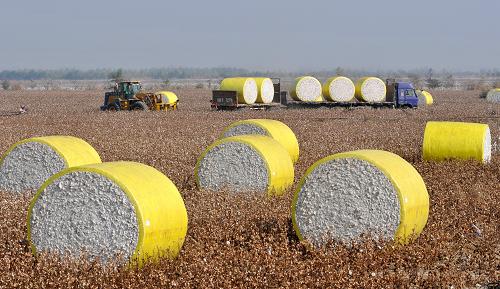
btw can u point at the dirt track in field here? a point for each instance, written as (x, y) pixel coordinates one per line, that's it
(247, 241)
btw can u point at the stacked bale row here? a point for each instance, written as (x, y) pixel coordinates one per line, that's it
(103, 210)
(250, 90)
(339, 89)
(255, 155)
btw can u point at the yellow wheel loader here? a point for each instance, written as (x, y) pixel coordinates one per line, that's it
(128, 95)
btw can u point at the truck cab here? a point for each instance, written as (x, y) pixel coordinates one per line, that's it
(403, 94)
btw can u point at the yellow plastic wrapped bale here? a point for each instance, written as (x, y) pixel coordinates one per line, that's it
(306, 88)
(246, 163)
(367, 192)
(245, 87)
(265, 88)
(370, 89)
(168, 97)
(339, 88)
(108, 210)
(30, 162)
(428, 97)
(269, 127)
(457, 140)
(493, 95)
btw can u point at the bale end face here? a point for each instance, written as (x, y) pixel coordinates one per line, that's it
(306, 88)
(265, 90)
(339, 88)
(84, 213)
(370, 89)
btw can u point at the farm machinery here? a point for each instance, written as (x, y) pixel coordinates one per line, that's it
(128, 95)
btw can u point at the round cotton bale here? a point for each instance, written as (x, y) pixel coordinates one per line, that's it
(306, 88)
(428, 97)
(268, 127)
(29, 163)
(339, 88)
(246, 163)
(457, 140)
(493, 95)
(265, 88)
(168, 97)
(108, 210)
(370, 89)
(245, 87)
(360, 193)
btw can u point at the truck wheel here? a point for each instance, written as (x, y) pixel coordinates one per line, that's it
(114, 107)
(139, 105)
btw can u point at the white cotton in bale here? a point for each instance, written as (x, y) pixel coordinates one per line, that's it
(370, 89)
(306, 88)
(339, 89)
(361, 193)
(265, 90)
(245, 163)
(245, 87)
(29, 163)
(105, 211)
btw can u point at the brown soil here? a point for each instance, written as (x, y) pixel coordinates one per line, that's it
(247, 241)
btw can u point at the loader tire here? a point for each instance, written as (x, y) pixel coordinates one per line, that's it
(114, 107)
(140, 105)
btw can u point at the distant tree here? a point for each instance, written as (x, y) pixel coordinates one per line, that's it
(433, 83)
(5, 84)
(116, 75)
(449, 81)
(415, 79)
(339, 71)
(166, 83)
(199, 85)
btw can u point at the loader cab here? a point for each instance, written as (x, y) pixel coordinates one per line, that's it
(128, 88)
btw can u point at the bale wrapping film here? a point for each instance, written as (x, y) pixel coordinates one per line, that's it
(428, 97)
(306, 88)
(246, 163)
(269, 127)
(265, 88)
(29, 163)
(493, 95)
(457, 140)
(168, 97)
(245, 87)
(343, 196)
(339, 88)
(370, 89)
(108, 209)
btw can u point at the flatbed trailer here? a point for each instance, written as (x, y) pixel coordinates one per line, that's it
(399, 95)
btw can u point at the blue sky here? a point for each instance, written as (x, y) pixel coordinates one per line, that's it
(265, 35)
